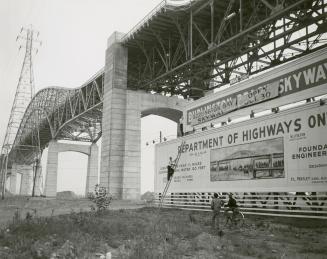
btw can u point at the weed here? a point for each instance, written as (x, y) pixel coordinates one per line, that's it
(101, 198)
(17, 216)
(260, 224)
(28, 216)
(143, 233)
(313, 249)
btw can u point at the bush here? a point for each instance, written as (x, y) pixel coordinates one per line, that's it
(149, 197)
(101, 198)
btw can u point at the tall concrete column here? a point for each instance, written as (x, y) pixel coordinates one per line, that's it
(27, 179)
(50, 189)
(120, 158)
(37, 187)
(8, 180)
(13, 179)
(92, 169)
(132, 155)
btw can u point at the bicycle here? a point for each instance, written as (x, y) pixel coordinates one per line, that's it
(234, 218)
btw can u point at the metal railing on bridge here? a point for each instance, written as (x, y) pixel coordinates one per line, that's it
(159, 8)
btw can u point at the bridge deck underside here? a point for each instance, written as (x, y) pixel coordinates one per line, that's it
(193, 48)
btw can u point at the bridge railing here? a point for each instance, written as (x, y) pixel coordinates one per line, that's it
(153, 12)
(298, 205)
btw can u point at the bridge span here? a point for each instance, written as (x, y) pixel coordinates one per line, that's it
(177, 51)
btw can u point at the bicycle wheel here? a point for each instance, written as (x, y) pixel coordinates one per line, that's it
(228, 215)
(239, 219)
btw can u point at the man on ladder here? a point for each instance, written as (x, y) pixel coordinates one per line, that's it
(171, 168)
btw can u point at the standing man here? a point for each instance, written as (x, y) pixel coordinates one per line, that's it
(232, 204)
(216, 204)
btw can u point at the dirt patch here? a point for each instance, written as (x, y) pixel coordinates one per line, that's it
(66, 195)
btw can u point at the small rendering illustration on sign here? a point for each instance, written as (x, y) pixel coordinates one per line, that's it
(256, 160)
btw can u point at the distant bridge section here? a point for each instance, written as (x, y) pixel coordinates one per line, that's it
(59, 113)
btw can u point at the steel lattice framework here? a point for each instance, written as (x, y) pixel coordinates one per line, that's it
(180, 50)
(203, 44)
(60, 113)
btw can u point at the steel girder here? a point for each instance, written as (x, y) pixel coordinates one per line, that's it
(190, 49)
(180, 50)
(59, 113)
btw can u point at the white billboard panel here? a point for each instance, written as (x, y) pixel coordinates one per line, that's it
(295, 81)
(286, 151)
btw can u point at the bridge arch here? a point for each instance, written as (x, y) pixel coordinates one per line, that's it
(65, 147)
(72, 172)
(157, 104)
(167, 107)
(169, 113)
(37, 121)
(54, 149)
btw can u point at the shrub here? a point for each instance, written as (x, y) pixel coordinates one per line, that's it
(101, 198)
(149, 197)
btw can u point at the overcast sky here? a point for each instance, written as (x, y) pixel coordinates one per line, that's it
(74, 36)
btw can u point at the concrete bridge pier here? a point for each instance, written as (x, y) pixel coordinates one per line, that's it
(37, 188)
(50, 188)
(92, 169)
(13, 180)
(121, 123)
(27, 179)
(120, 164)
(26, 184)
(54, 148)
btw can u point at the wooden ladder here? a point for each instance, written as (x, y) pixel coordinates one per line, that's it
(174, 166)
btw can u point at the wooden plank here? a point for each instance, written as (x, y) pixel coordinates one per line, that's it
(251, 205)
(260, 214)
(260, 202)
(259, 196)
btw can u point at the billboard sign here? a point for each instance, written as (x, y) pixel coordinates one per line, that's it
(289, 83)
(280, 152)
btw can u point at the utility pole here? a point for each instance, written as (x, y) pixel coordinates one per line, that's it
(24, 93)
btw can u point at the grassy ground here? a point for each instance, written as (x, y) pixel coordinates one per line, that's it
(149, 233)
(50, 206)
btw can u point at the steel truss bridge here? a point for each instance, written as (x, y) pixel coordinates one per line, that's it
(180, 49)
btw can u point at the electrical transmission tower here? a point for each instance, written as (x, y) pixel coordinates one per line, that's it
(24, 94)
